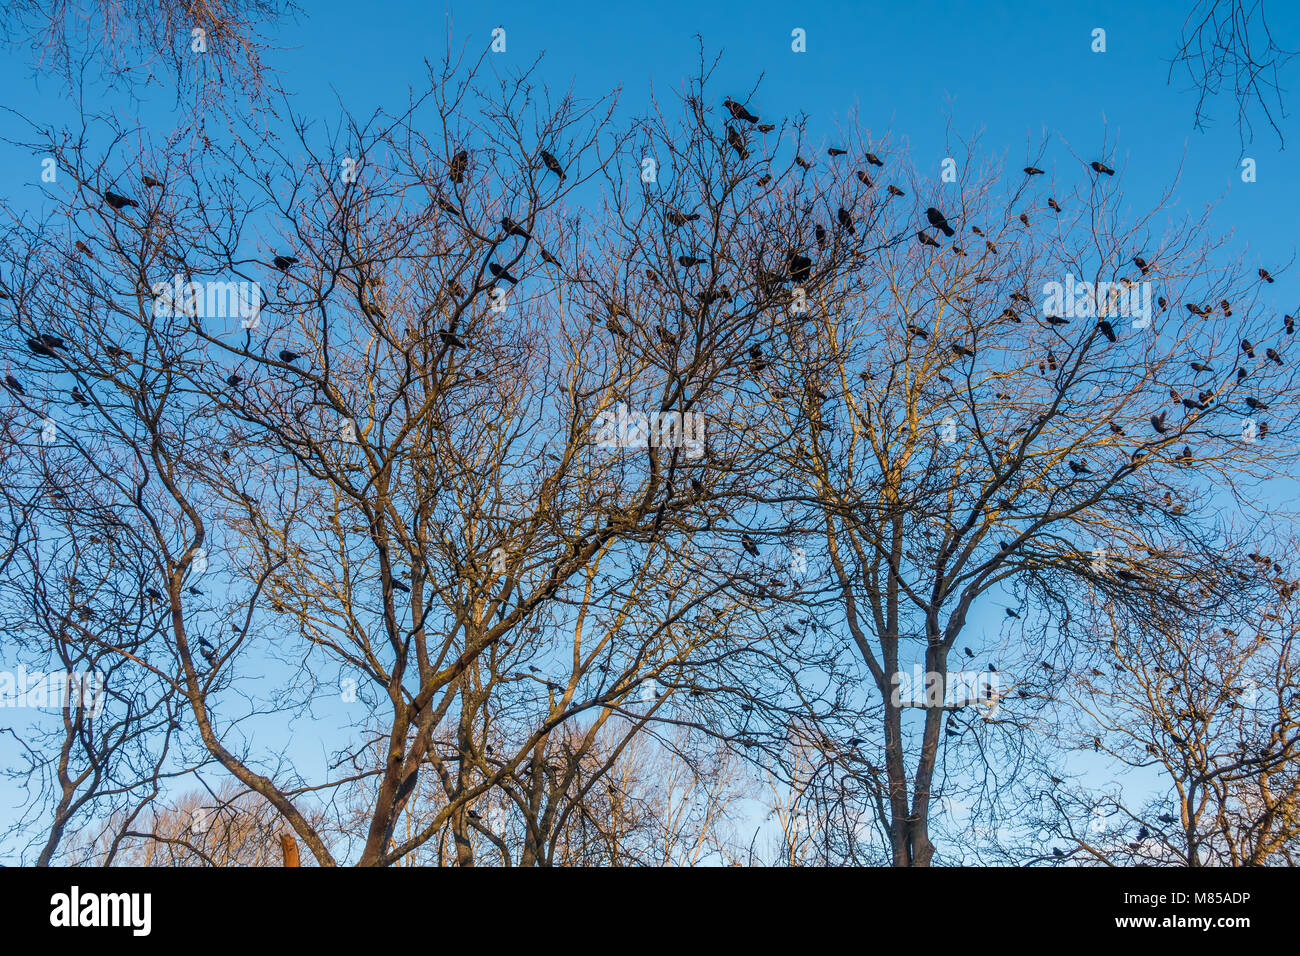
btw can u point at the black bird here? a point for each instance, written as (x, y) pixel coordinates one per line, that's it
(118, 202)
(1201, 367)
(969, 653)
(83, 249)
(845, 219)
(1255, 404)
(552, 164)
(1012, 613)
(939, 222)
(1143, 833)
(739, 112)
(1080, 468)
(926, 239)
(875, 160)
(737, 142)
(283, 262)
(1053, 205)
(1166, 818)
(288, 356)
(798, 266)
(450, 339)
(459, 163)
(14, 385)
(233, 380)
(1101, 168)
(820, 234)
(1195, 309)
(1241, 375)
(749, 544)
(690, 262)
(679, 218)
(1024, 218)
(766, 127)
(1226, 306)
(150, 182)
(1033, 171)
(918, 332)
(1264, 274)
(513, 228)
(1057, 320)
(895, 191)
(1056, 851)
(1192, 406)
(802, 163)
(1116, 429)
(1141, 264)
(1273, 356)
(1158, 422)
(1248, 348)
(665, 336)
(399, 586)
(80, 399)
(1107, 329)
(1288, 323)
(501, 272)
(833, 151)
(962, 350)
(38, 347)
(864, 178)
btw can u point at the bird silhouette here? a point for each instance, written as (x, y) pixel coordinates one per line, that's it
(287, 356)
(1033, 171)
(1273, 356)
(1053, 205)
(895, 191)
(766, 127)
(233, 380)
(451, 339)
(459, 163)
(118, 202)
(739, 112)
(1158, 422)
(1080, 468)
(501, 272)
(283, 262)
(1011, 612)
(150, 182)
(1255, 403)
(689, 262)
(798, 266)
(926, 239)
(845, 219)
(1101, 168)
(80, 399)
(1107, 330)
(1141, 264)
(14, 385)
(1248, 348)
(1265, 275)
(1199, 367)
(1288, 324)
(748, 543)
(552, 164)
(83, 249)
(937, 219)
(834, 151)
(864, 178)
(513, 228)
(679, 218)
(737, 142)
(875, 160)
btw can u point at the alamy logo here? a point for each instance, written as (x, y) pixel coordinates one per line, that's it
(623, 428)
(952, 690)
(54, 690)
(1084, 300)
(209, 300)
(103, 909)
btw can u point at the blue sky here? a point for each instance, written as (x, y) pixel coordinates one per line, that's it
(1014, 73)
